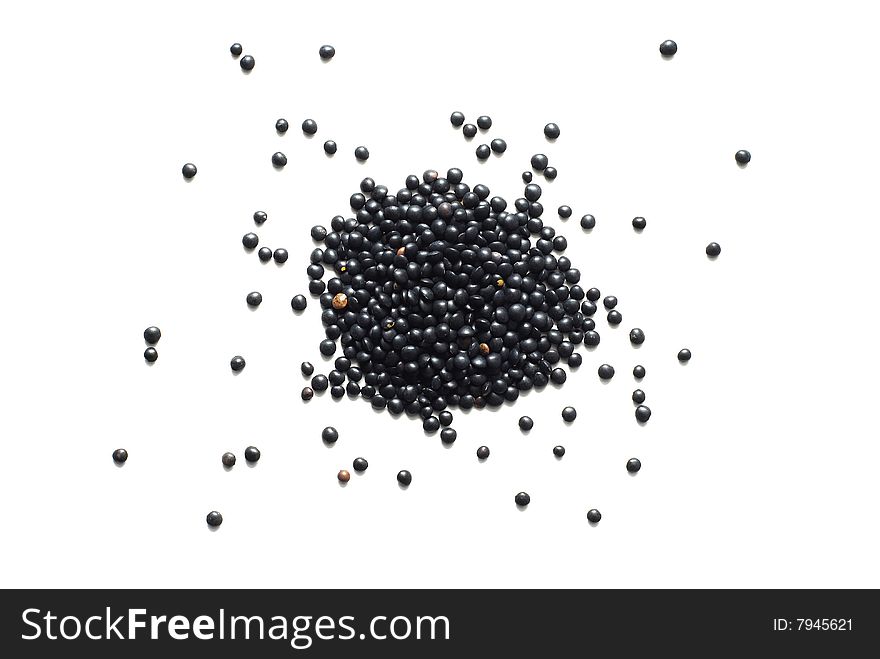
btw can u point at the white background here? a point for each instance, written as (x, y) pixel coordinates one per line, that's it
(759, 460)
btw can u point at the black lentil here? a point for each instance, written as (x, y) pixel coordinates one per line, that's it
(614, 317)
(252, 454)
(569, 414)
(279, 160)
(360, 465)
(237, 363)
(484, 122)
(743, 157)
(307, 393)
(636, 336)
(228, 459)
(469, 131)
(280, 255)
(550, 173)
(539, 162)
(265, 254)
(247, 63)
(320, 382)
(448, 435)
(189, 170)
(151, 355)
(260, 217)
(445, 418)
(404, 477)
(498, 145)
(235, 49)
(526, 423)
(558, 451)
(588, 222)
(606, 372)
(633, 465)
(639, 223)
(329, 435)
(214, 518)
(522, 499)
(551, 131)
(713, 250)
(120, 455)
(298, 302)
(456, 119)
(152, 335)
(527, 177)
(684, 355)
(643, 413)
(254, 299)
(281, 125)
(483, 452)
(638, 396)
(250, 240)
(330, 147)
(309, 126)
(593, 294)
(594, 516)
(638, 372)
(668, 48)
(326, 52)
(361, 153)
(564, 212)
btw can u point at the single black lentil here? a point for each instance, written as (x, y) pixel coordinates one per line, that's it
(445, 418)
(307, 393)
(638, 396)
(564, 212)
(633, 465)
(320, 382)
(298, 302)
(265, 254)
(684, 355)
(593, 294)
(189, 170)
(522, 499)
(448, 435)
(713, 250)
(235, 49)
(606, 372)
(498, 145)
(609, 302)
(250, 240)
(237, 363)
(361, 153)
(214, 518)
(638, 372)
(254, 299)
(668, 48)
(404, 477)
(279, 160)
(456, 119)
(639, 223)
(484, 122)
(281, 125)
(329, 435)
(614, 318)
(469, 131)
(588, 222)
(330, 147)
(151, 355)
(120, 455)
(309, 126)
(252, 454)
(526, 423)
(260, 217)
(280, 255)
(360, 465)
(594, 516)
(643, 413)
(558, 451)
(743, 157)
(551, 131)
(483, 152)
(550, 173)
(569, 414)
(228, 459)
(152, 335)
(326, 52)
(636, 336)
(527, 177)
(539, 162)
(483, 452)
(247, 63)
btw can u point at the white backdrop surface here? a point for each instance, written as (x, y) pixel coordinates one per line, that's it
(758, 462)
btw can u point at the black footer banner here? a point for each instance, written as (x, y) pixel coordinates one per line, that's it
(428, 623)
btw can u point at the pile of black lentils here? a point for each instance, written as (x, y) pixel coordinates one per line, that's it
(441, 295)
